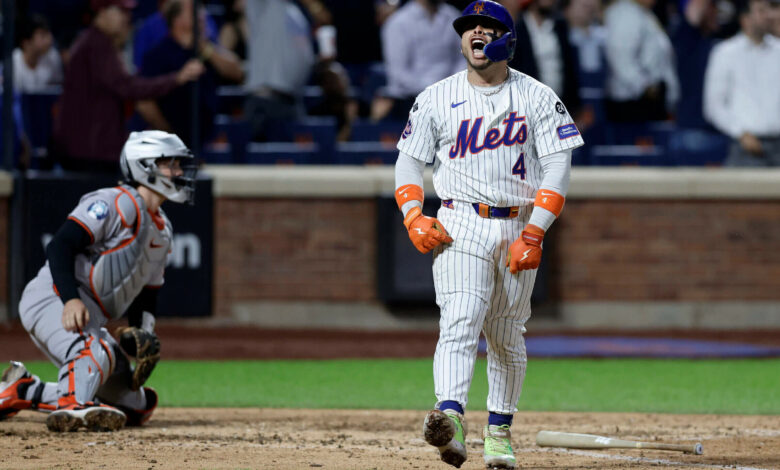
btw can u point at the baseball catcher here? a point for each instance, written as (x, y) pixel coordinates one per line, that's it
(107, 259)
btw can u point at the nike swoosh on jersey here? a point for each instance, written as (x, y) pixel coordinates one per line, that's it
(455, 105)
(152, 244)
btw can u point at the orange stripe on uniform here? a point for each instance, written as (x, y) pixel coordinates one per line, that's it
(110, 356)
(550, 200)
(116, 204)
(91, 237)
(87, 352)
(123, 244)
(408, 192)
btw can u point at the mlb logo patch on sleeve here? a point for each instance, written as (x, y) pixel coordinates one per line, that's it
(98, 210)
(569, 130)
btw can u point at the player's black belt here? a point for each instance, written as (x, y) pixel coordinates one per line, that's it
(489, 212)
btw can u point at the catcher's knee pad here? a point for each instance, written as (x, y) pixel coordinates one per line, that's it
(91, 362)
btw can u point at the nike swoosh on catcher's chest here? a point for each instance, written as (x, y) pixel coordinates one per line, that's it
(455, 105)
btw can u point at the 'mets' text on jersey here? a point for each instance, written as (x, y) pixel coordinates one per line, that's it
(486, 145)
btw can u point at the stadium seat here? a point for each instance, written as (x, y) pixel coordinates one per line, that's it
(631, 155)
(217, 153)
(230, 100)
(364, 130)
(235, 132)
(320, 131)
(366, 153)
(695, 147)
(282, 153)
(640, 134)
(38, 117)
(376, 79)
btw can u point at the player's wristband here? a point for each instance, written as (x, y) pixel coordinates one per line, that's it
(413, 213)
(550, 200)
(532, 235)
(408, 192)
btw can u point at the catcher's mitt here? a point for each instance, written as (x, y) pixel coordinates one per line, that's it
(144, 347)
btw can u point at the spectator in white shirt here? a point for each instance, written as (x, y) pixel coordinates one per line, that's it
(642, 83)
(775, 18)
(419, 49)
(37, 62)
(742, 89)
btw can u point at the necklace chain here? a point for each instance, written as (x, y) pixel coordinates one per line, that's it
(497, 90)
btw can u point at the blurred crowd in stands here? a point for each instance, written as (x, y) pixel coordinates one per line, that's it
(659, 82)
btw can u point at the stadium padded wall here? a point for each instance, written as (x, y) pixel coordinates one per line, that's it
(635, 247)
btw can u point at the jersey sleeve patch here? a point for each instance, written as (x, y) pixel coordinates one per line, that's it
(568, 130)
(408, 129)
(98, 210)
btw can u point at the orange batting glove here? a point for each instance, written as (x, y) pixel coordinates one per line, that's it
(526, 251)
(425, 232)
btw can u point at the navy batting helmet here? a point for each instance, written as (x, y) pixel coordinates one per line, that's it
(495, 15)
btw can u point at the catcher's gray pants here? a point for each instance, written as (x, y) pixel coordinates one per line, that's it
(90, 364)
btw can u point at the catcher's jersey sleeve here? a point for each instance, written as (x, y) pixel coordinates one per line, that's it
(553, 128)
(97, 213)
(418, 139)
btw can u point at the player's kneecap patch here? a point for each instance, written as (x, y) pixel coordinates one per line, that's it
(569, 130)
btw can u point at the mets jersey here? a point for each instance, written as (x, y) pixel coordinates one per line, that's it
(485, 146)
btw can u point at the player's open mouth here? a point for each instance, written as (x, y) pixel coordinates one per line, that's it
(477, 46)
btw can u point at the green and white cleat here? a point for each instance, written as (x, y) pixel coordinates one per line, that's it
(498, 447)
(446, 430)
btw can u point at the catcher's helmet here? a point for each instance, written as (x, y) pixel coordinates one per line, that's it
(138, 163)
(495, 15)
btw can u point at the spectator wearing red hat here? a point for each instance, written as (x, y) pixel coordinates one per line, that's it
(89, 129)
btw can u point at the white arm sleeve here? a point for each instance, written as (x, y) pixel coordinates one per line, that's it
(556, 168)
(408, 170)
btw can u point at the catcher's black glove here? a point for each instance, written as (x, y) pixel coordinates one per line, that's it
(144, 347)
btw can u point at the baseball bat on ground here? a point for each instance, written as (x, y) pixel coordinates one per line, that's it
(590, 441)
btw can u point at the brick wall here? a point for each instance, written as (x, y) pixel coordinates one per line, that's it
(294, 249)
(600, 250)
(608, 250)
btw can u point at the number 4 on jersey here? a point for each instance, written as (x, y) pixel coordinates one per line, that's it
(519, 168)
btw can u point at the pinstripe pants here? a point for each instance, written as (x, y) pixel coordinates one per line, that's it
(476, 292)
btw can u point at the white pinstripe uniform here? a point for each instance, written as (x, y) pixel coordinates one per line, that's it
(485, 146)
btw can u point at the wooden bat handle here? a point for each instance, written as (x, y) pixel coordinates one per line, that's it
(687, 448)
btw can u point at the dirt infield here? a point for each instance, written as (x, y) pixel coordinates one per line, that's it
(233, 438)
(179, 438)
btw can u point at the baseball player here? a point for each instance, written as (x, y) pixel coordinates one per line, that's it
(107, 258)
(500, 143)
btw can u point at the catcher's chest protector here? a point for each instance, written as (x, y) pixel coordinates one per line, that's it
(118, 274)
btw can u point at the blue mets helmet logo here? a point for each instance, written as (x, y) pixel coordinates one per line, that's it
(478, 7)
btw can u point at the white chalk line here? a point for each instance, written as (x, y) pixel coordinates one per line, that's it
(628, 458)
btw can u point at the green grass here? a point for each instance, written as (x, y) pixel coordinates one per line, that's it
(623, 385)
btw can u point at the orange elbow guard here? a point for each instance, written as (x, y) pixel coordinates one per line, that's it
(550, 200)
(408, 192)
